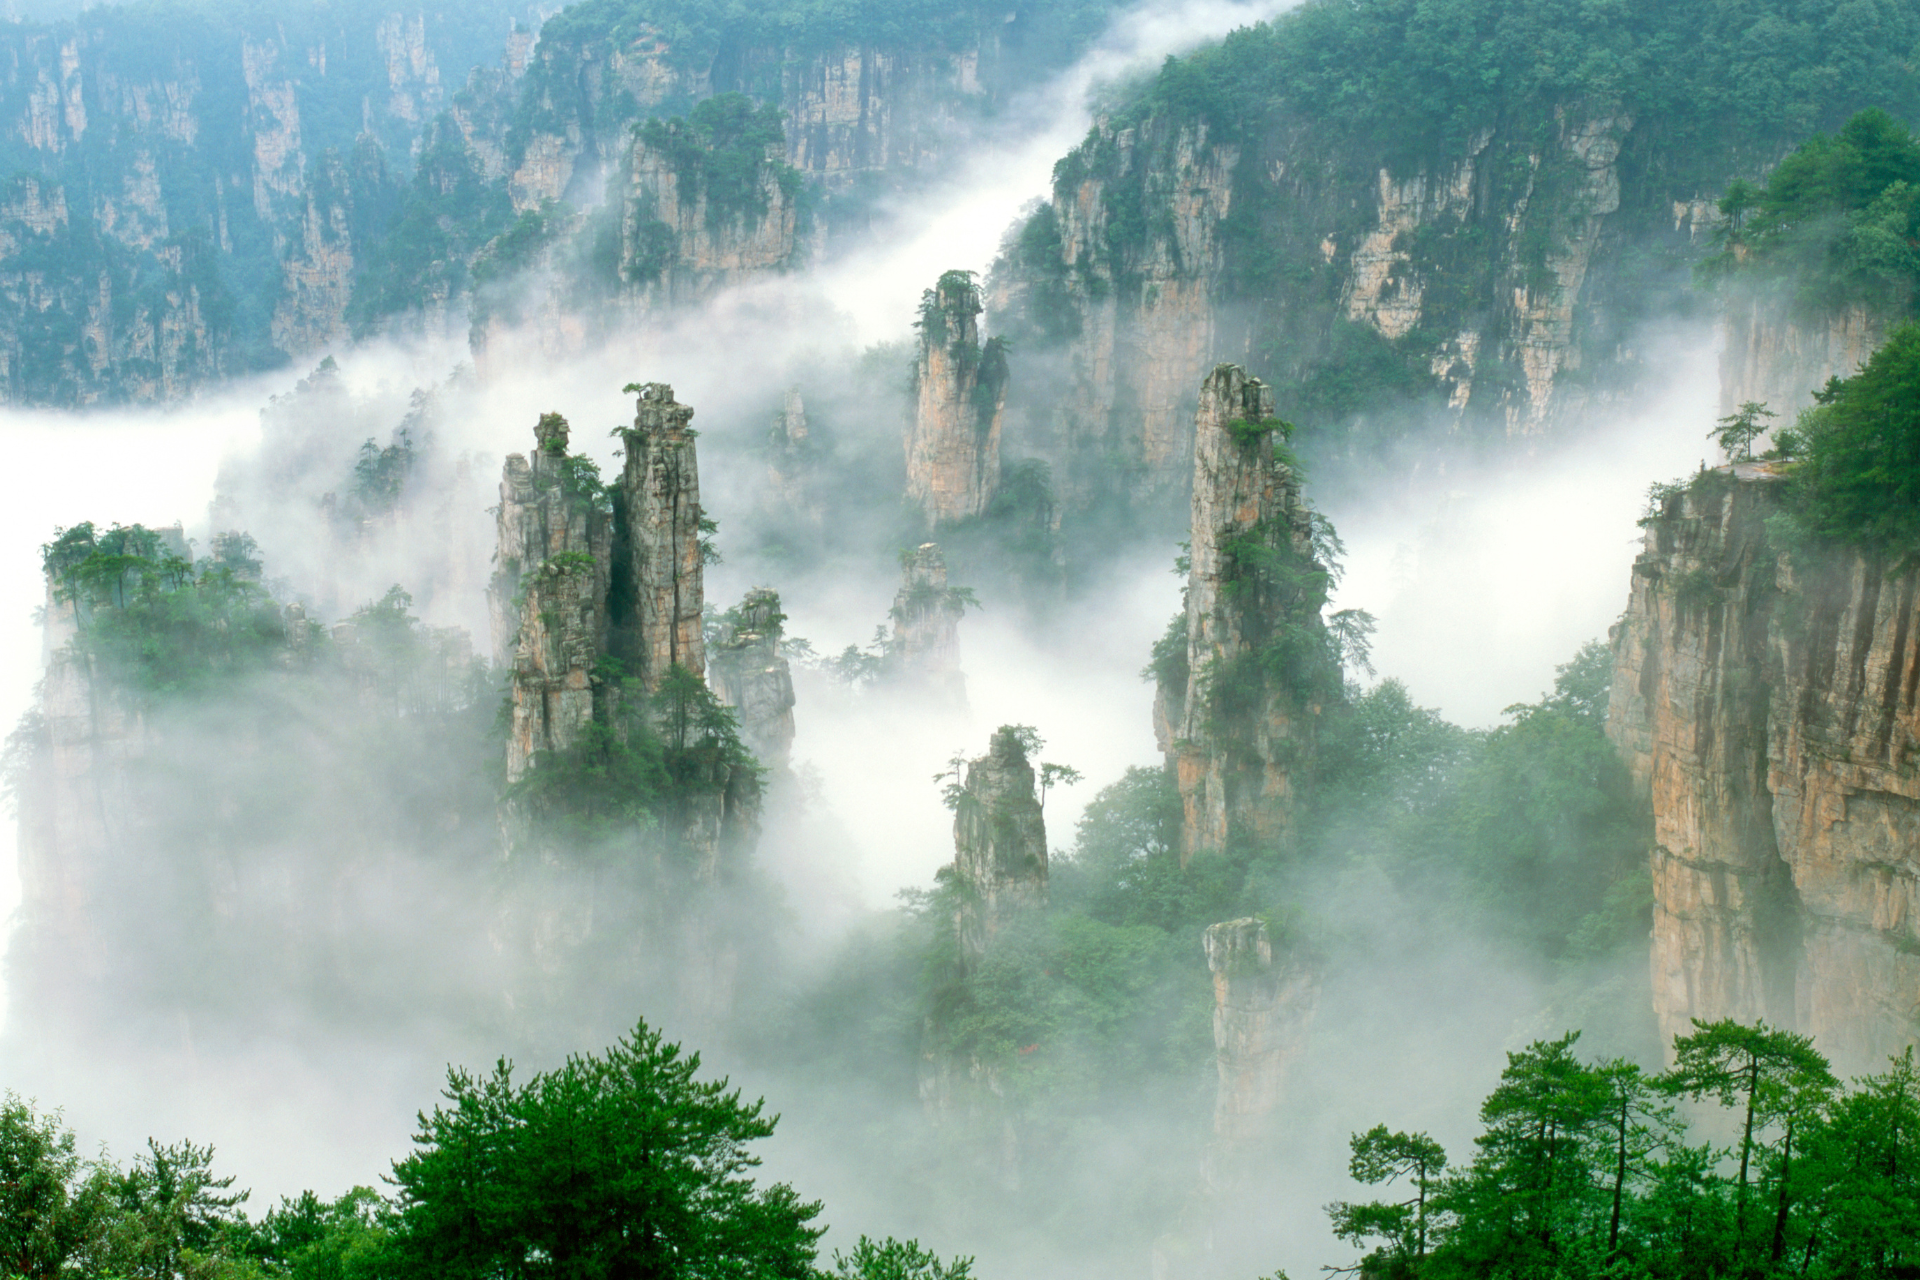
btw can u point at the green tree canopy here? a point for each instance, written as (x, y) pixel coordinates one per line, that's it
(617, 1165)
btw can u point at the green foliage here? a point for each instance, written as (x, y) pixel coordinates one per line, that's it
(55, 1209)
(1836, 220)
(623, 1163)
(450, 213)
(1531, 830)
(726, 148)
(892, 1259)
(154, 622)
(1736, 432)
(1860, 482)
(1585, 1169)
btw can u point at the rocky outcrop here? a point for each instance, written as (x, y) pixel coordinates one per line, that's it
(924, 654)
(1263, 1012)
(658, 535)
(597, 603)
(208, 238)
(1767, 703)
(1240, 727)
(750, 674)
(999, 842)
(793, 466)
(548, 598)
(682, 240)
(960, 394)
(1773, 356)
(1487, 278)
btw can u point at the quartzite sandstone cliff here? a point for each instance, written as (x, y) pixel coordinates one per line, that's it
(960, 393)
(1769, 704)
(1238, 737)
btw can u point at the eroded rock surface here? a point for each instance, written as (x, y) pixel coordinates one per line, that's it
(925, 652)
(548, 598)
(1263, 1010)
(1239, 738)
(749, 674)
(960, 395)
(999, 842)
(1769, 706)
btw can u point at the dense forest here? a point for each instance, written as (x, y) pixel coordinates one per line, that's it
(283, 808)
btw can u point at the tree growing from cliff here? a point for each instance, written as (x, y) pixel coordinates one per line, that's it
(1736, 432)
(1860, 482)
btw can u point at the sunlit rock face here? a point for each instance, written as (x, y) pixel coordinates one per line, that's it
(657, 543)
(925, 653)
(548, 598)
(1238, 737)
(960, 394)
(749, 674)
(999, 842)
(1770, 709)
(1263, 1012)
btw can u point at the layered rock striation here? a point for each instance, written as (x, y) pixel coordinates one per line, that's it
(598, 598)
(684, 236)
(924, 653)
(1263, 1010)
(548, 598)
(999, 842)
(1490, 280)
(960, 395)
(658, 536)
(750, 674)
(1768, 703)
(1237, 715)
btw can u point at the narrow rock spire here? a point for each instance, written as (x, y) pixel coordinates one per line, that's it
(960, 388)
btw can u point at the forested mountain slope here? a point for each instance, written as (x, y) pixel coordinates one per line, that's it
(1394, 210)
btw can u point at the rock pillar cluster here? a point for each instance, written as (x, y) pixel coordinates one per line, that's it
(960, 389)
(1262, 1018)
(749, 674)
(1770, 705)
(999, 842)
(1239, 724)
(548, 596)
(657, 522)
(926, 613)
(591, 585)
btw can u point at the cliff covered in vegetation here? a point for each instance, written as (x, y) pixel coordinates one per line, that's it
(1763, 695)
(1393, 213)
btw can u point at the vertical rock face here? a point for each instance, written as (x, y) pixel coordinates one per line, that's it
(926, 613)
(791, 463)
(749, 674)
(657, 518)
(680, 244)
(576, 583)
(1157, 256)
(1263, 1013)
(999, 842)
(319, 275)
(1240, 738)
(1770, 356)
(960, 386)
(1769, 706)
(548, 598)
